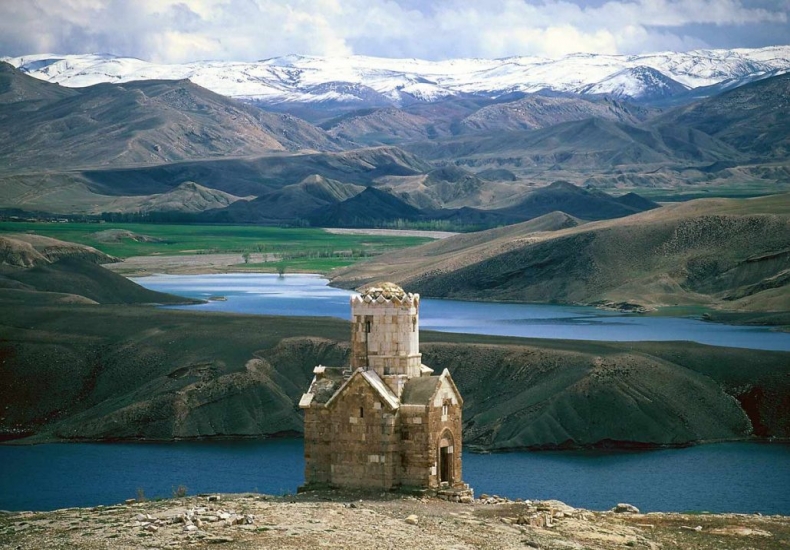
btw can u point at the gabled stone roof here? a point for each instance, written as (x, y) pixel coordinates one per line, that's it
(324, 387)
(384, 392)
(418, 391)
(375, 382)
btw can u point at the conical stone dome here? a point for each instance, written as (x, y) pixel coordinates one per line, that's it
(387, 290)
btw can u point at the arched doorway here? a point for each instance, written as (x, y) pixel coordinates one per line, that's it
(445, 457)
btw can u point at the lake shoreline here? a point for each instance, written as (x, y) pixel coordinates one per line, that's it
(218, 264)
(602, 446)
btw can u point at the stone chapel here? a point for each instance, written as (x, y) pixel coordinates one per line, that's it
(386, 421)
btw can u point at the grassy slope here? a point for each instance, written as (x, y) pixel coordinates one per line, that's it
(446, 255)
(733, 254)
(103, 372)
(80, 278)
(36, 270)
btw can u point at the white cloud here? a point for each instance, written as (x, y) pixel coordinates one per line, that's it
(183, 30)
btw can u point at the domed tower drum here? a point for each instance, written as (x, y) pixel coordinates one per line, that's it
(385, 331)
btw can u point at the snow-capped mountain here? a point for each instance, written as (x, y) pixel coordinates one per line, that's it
(644, 83)
(371, 81)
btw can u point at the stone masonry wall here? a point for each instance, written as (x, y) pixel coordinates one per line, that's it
(385, 337)
(415, 438)
(318, 431)
(364, 444)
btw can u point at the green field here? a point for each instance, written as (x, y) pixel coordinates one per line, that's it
(301, 248)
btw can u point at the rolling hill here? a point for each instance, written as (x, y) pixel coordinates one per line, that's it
(576, 201)
(370, 208)
(27, 250)
(131, 373)
(376, 207)
(582, 145)
(380, 126)
(536, 111)
(752, 118)
(27, 93)
(139, 123)
(35, 269)
(103, 190)
(188, 197)
(77, 370)
(258, 175)
(731, 254)
(125, 146)
(289, 204)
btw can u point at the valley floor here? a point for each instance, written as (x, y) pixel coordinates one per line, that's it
(341, 520)
(190, 264)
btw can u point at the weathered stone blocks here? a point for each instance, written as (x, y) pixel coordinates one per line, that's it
(386, 422)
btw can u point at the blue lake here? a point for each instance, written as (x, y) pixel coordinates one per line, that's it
(309, 295)
(725, 477)
(731, 477)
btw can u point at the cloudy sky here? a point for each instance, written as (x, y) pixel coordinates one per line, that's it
(174, 31)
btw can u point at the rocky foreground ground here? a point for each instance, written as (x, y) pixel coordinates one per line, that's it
(342, 520)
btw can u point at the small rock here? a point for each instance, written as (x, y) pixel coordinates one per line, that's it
(224, 515)
(190, 528)
(130, 501)
(412, 520)
(213, 498)
(249, 519)
(140, 517)
(623, 508)
(151, 528)
(218, 540)
(466, 499)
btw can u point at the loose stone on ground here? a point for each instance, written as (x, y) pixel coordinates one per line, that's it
(334, 519)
